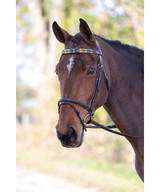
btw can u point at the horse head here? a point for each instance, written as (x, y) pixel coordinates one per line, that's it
(82, 82)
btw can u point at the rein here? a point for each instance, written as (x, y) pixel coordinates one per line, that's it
(92, 98)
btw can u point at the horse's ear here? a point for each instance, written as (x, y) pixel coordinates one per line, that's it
(62, 35)
(85, 31)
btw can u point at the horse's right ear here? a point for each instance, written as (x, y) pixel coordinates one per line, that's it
(62, 35)
(85, 31)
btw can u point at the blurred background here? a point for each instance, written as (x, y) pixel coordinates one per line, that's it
(104, 161)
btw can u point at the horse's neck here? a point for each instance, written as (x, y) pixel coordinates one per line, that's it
(125, 99)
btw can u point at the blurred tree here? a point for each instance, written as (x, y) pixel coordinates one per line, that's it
(23, 92)
(116, 19)
(34, 25)
(113, 19)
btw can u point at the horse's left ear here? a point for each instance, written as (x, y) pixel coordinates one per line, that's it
(85, 31)
(62, 35)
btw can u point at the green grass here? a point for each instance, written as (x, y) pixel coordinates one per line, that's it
(38, 150)
(119, 169)
(87, 172)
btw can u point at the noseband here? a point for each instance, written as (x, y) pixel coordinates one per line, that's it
(92, 98)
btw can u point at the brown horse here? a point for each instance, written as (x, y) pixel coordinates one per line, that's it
(95, 72)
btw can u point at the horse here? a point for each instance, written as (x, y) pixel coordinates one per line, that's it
(94, 72)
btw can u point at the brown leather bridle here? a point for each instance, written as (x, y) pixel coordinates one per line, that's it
(92, 98)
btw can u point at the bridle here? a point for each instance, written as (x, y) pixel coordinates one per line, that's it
(92, 98)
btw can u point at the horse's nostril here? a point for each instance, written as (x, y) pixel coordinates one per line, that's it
(72, 134)
(70, 131)
(69, 136)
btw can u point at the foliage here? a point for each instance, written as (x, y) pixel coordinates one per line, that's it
(117, 19)
(23, 92)
(113, 19)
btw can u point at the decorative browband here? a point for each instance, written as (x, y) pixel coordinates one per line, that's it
(81, 50)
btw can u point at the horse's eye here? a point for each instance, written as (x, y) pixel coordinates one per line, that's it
(56, 71)
(90, 71)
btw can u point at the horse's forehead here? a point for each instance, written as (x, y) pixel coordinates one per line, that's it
(74, 61)
(76, 42)
(70, 64)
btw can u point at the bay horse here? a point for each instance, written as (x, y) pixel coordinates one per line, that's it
(94, 72)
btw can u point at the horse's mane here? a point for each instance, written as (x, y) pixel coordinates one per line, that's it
(115, 44)
(130, 48)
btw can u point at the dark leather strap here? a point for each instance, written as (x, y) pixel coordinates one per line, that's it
(66, 100)
(109, 128)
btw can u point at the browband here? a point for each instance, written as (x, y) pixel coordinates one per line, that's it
(81, 50)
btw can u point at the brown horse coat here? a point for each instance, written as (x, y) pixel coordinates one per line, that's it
(123, 69)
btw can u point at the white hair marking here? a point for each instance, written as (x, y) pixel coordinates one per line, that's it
(70, 65)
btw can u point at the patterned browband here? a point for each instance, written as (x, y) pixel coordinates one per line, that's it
(81, 50)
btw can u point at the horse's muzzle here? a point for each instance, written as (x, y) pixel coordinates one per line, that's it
(69, 138)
